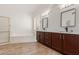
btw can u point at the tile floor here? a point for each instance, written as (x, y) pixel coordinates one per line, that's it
(26, 49)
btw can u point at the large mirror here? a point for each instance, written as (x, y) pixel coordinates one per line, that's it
(44, 22)
(68, 18)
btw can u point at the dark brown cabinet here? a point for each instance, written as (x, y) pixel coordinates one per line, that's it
(40, 37)
(48, 39)
(37, 35)
(71, 44)
(65, 43)
(44, 38)
(57, 41)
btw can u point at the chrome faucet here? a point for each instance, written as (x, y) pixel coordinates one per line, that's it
(66, 29)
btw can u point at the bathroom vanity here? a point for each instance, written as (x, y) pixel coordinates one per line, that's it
(63, 42)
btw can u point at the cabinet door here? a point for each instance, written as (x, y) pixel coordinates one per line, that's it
(37, 35)
(71, 44)
(40, 37)
(57, 41)
(48, 39)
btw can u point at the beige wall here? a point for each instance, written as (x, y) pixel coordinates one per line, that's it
(20, 23)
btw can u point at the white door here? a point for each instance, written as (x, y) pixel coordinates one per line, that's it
(4, 29)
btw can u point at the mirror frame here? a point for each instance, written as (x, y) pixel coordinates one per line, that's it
(46, 24)
(74, 18)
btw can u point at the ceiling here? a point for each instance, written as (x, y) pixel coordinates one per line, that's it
(29, 8)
